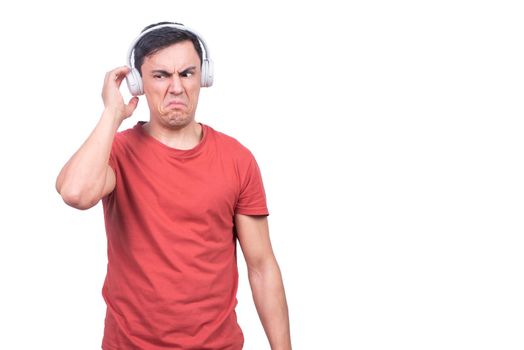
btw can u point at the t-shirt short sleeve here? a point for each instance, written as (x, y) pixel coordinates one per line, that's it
(116, 149)
(252, 197)
(112, 161)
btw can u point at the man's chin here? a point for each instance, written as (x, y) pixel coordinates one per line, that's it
(176, 120)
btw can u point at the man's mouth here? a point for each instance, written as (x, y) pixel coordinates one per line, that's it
(175, 104)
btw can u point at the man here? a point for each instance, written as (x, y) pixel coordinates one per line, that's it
(176, 195)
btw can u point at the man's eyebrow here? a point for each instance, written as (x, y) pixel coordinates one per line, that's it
(161, 71)
(164, 72)
(188, 69)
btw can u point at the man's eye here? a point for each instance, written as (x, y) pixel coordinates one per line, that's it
(159, 76)
(187, 74)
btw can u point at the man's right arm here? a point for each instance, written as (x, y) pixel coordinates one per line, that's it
(87, 177)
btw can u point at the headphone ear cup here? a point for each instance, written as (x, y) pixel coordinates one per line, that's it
(134, 82)
(207, 73)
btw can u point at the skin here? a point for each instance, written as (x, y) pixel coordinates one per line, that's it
(265, 279)
(171, 80)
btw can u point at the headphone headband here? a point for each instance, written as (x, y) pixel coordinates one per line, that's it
(205, 49)
(134, 79)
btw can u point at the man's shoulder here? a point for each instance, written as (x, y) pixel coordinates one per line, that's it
(228, 142)
(126, 139)
(130, 131)
(125, 135)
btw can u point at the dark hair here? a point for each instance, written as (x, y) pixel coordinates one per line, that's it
(161, 38)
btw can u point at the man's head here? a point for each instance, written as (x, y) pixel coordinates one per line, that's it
(158, 36)
(169, 61)
(161, 38)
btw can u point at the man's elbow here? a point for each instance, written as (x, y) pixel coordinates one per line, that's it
(263, 266)
(78, 200)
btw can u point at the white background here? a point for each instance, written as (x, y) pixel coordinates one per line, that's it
(390, 138)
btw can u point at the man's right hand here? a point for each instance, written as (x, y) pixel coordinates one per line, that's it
(112, 97)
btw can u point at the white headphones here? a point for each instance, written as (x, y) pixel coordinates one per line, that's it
(133, 78)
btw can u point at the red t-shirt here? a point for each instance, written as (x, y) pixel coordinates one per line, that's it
(172, 276)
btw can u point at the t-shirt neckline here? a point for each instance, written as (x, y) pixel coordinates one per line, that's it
(174, 152)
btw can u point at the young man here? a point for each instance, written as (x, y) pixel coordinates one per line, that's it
(176, 195)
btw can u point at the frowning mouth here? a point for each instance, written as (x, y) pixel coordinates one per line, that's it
(176, 104)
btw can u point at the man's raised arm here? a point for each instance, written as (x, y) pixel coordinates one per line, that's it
(87, 177)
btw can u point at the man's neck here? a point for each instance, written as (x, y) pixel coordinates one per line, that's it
(184, 138)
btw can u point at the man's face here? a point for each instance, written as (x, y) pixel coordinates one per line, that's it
(171, 79)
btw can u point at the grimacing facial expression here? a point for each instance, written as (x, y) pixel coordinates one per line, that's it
(171, 78)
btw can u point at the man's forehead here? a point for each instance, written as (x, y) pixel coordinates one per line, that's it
(184, 48)
(176, 54)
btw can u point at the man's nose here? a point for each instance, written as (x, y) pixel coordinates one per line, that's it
(175, 86)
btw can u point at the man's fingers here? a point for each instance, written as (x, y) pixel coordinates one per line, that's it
(121, 74)
(117, 74)
(131, 105)
(120, 70)
(133, 102)
(111, 90)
